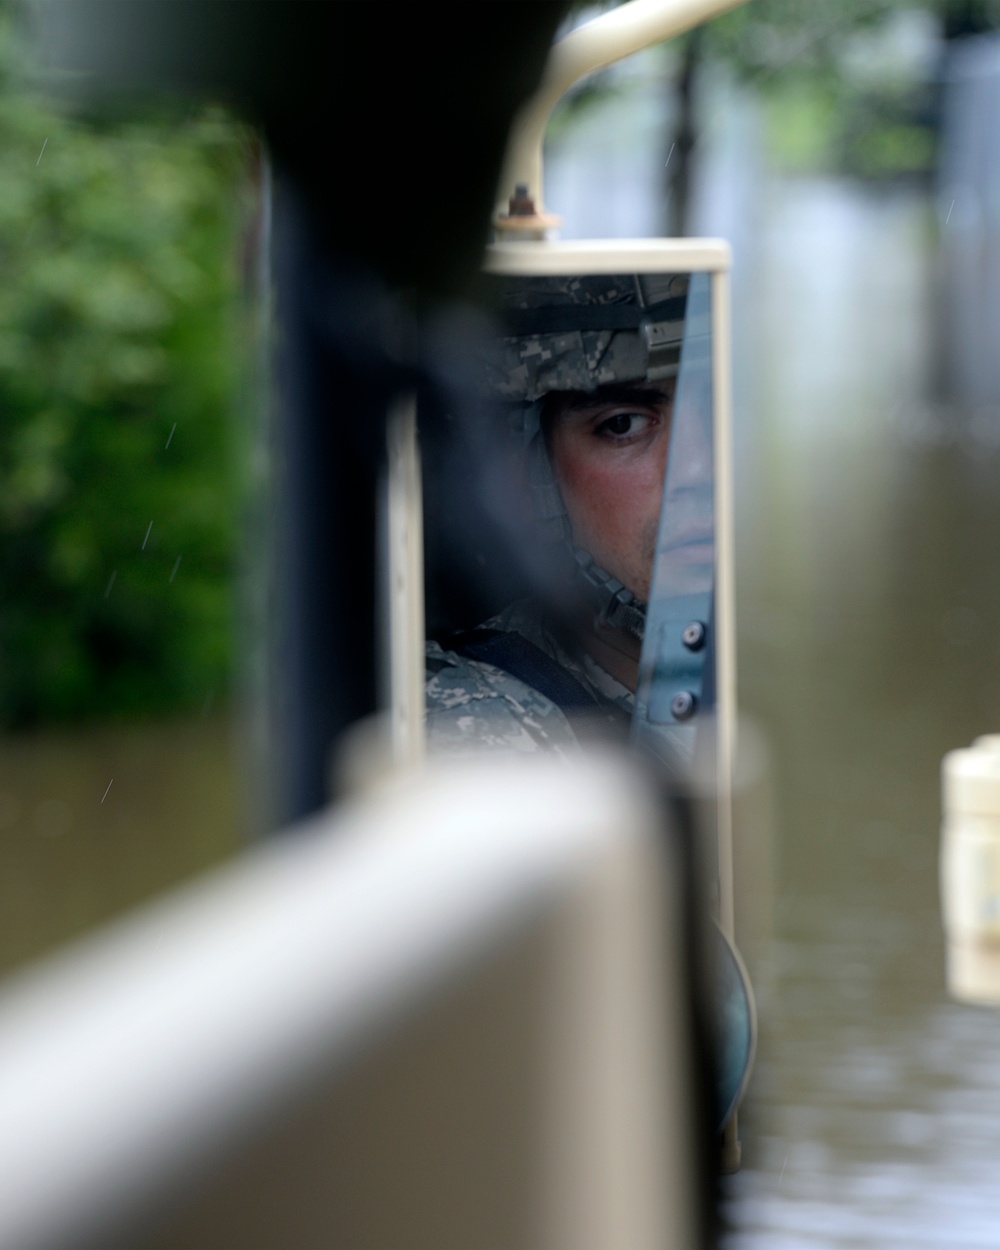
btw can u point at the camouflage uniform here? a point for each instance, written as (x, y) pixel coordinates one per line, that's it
(471, 705)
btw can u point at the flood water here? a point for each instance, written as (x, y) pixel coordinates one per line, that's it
(95, 819)
(869, 644)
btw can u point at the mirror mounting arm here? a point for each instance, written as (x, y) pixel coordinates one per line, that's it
(609, 38)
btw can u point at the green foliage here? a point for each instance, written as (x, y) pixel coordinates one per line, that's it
(792, 40)
(840, 97)
(119, 333)
(886, 134)
(871, 134)
(800, 121)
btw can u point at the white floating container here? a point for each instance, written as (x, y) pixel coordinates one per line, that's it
(970, 869)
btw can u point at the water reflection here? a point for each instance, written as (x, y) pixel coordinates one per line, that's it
(868, 613)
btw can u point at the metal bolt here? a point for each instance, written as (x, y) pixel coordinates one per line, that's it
(683, 705)
(694, 636)
(521, 204)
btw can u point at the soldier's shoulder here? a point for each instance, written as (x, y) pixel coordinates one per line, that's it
(472, 705)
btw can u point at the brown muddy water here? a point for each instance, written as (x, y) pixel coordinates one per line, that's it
(96, 819)
(869, 603)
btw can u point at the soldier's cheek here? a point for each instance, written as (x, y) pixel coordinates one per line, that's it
(595, 492)
(626, 508)
(609, 492)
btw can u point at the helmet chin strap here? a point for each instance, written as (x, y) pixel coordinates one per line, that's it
(616, 606)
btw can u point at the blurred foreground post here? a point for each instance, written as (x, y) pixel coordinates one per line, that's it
(456, 1013)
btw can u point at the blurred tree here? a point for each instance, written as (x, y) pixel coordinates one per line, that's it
(827, 101)
(119, 350)
(968, 17)
(800, 56)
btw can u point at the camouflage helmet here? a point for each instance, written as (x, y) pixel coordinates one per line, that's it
(577, 333)
(581, 332)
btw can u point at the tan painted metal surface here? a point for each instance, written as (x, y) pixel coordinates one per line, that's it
(404, 594)
(189, 1074)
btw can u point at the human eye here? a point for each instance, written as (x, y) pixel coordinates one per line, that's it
(623, 425)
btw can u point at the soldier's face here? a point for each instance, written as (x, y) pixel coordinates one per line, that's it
(609, 454)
